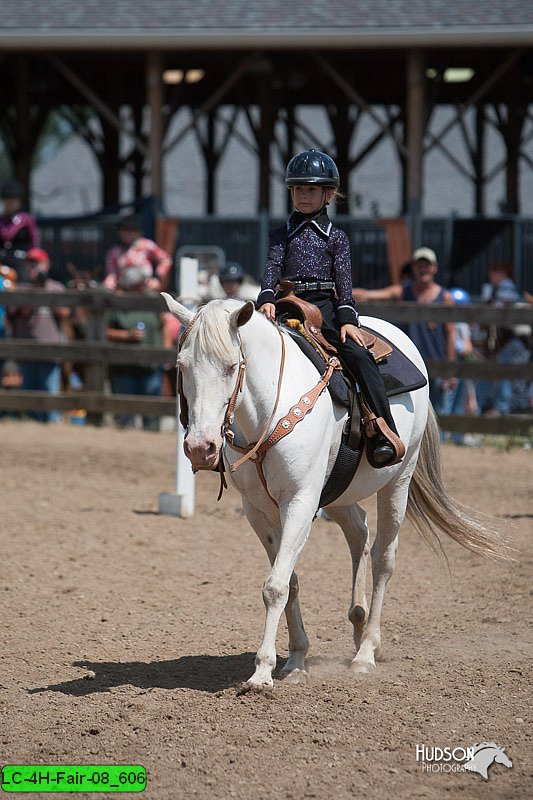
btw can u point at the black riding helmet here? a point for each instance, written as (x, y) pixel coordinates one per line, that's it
(312, 167)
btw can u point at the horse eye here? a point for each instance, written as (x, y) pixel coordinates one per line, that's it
(230, 370)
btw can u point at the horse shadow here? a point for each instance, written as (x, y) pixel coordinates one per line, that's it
(203, 673)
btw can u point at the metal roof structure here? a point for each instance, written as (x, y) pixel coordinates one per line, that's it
(386, 60)
(201, 24)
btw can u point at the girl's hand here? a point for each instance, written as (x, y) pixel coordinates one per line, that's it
(352, 332)
(269, 310)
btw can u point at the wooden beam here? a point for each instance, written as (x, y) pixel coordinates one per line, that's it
(88, 298)
(483, 313)
(480, 370)
(355, 97)
(265, 135)
(479, 160)
(475, 97)
(95, 101)
(213, 100)
(93, 402)
(141, 355)
(508, 425)
(513, 134)
(154, 98)
(415, 116)
(23, 150)
(87, 353)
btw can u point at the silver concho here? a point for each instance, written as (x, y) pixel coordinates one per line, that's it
(286, 424)
(306, 400)
(297, 412)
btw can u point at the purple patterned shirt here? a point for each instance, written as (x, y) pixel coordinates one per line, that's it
(311, 250)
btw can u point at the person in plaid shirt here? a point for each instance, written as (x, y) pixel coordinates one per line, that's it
(136, 251)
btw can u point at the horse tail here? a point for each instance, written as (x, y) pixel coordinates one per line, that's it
(432, 511)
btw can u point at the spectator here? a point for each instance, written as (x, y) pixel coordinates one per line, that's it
(42, 324)
(391, 292)
(134, 250)
(506, 346)
(172, 331)
(231, 277)
(230, 282)
(11, 376)
(461, 398)
(501, 288)
(136, 328)
(435, 341)
(18, 229)
(8, 280)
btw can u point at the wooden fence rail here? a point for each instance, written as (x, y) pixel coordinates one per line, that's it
(97, 353)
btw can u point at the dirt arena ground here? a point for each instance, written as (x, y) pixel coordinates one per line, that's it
(125, 634)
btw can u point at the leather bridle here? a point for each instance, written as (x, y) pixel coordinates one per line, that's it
(256, 450)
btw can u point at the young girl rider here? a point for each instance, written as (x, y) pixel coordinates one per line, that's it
(315, 256)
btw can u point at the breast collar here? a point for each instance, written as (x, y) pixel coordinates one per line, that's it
(297, 223)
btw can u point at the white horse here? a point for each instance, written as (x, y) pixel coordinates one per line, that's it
(232, 356)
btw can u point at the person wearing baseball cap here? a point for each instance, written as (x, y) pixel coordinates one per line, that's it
(425, 254)
(37, 266)
(42, 324)
(435, 341)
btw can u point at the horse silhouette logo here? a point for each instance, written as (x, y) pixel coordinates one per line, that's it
(486, 754)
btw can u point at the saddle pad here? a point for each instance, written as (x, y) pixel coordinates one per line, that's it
(398, 372)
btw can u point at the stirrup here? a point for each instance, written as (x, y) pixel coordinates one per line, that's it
(374, 426)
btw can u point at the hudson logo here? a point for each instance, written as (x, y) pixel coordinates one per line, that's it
(477, 758)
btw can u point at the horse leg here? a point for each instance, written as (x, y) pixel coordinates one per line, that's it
(294, 670)
(353, 521)
(296, 524)
(391, 504)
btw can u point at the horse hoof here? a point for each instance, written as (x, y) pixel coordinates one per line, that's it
(264, 689)
(357, 616)
(295, 676)
(362, 667)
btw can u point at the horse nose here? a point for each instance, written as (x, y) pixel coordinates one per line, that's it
(201, 452)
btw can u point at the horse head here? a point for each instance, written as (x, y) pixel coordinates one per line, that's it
(486, 754)
(501, 757)
(208, 360)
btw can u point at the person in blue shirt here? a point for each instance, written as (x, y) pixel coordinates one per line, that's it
(512, 346)
(315, 255)
(434, 340)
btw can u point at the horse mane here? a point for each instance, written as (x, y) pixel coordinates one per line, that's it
(211, 336)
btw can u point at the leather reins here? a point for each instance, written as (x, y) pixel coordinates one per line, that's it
(256, 451)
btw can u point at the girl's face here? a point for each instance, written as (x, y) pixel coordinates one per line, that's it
(308, 199)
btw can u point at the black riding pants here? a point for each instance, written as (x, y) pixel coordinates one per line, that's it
(357, 360)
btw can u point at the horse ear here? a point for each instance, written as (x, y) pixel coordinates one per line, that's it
(242, 315)
(180, 312)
